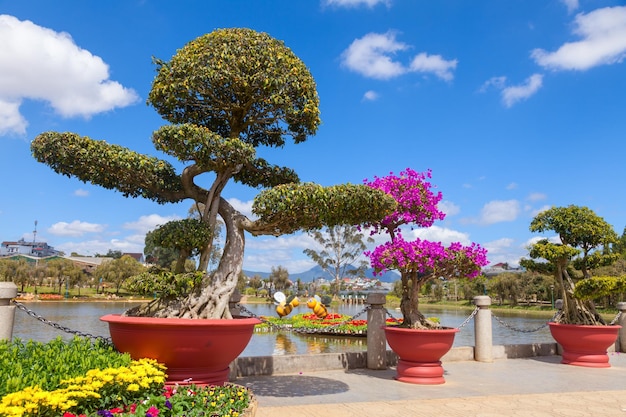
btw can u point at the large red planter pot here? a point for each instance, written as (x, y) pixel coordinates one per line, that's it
(585, 345)
(420, 352)
(195, 351)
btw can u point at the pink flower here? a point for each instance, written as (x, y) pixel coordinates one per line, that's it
(152, 412)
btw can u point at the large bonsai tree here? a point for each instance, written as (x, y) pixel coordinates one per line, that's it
(584, 245)
(225, 93)
(418, 261)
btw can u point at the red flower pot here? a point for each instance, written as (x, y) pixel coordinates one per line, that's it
(420, 352)
(195, 351)
(585, 345)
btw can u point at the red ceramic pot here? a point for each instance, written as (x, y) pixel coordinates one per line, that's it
(195, 351)
(585, 345)
(420, 352)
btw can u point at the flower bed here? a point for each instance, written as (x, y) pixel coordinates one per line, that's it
(136, 388)
(333, 323)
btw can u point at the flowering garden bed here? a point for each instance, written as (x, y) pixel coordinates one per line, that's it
(116, 387)
(332, 324)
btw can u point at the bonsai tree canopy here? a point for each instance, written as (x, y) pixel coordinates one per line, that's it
(226, 94)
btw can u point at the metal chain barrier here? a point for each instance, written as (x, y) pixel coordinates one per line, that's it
(619, 314)
(517, 329)
(328, 329)
(467, 319)
(57, 326)
(470, 317)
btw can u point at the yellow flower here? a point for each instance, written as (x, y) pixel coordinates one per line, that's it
(132, 387)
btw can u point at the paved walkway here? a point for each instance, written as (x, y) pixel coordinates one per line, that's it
(536, 387)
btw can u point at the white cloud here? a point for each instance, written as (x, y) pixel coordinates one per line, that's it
(37, 63)
(434, 64)
(244, 207)
(603, 33)
(373, 56)
(263, 253)
(438, 234)
(497, 82)
(511, 186)
(499, 211)
(81, 193)
(537, 196)
(511, 95)
(540, 209)
(75, 228)
(499, 246)
(148, 222)
(11, 121)
(571, 5)
(449, 208)
(356, 3)
(369, 56)
(370, 95)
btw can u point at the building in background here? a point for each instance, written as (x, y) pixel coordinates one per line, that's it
(22, 247)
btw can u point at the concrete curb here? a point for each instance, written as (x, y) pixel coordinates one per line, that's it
(285, 364)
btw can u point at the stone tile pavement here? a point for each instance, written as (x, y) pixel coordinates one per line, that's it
(537, 387)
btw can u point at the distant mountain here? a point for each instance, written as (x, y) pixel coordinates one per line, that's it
(318, 272)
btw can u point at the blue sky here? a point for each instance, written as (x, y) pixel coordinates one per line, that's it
(515, 105)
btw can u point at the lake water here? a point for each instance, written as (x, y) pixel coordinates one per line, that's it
(85, 317)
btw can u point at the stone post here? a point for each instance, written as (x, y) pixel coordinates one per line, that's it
(621, 339)
(8, 291)
(235, 298)
(558, 304)
(376, 340)
(483, 349)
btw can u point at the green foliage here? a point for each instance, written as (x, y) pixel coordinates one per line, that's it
(119, 270)
(158, 255)
(215, 79)
(165, 283)
(596, 287)
(581, 231)
(206, 149)
(279, 277)
(29, 363)
(110, 166)
(310, 206)
(188, 235)
(342, 247)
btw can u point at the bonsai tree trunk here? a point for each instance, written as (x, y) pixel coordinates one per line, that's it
(409, 302)
(212, 299)
(575, 311)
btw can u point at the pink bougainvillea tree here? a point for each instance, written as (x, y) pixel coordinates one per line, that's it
(418, 261)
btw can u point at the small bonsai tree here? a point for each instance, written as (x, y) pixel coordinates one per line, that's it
(418, 261)
(226, 93)
(584, 241)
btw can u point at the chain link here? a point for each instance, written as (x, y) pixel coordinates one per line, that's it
(517, 329)
(619, 314)
(58, 326)
(470, 317)
(467, 320)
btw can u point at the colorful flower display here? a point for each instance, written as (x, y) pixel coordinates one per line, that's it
(137, 389)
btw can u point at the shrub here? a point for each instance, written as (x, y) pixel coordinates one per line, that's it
(29, 363)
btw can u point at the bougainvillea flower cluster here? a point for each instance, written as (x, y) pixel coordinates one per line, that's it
(418, 261)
